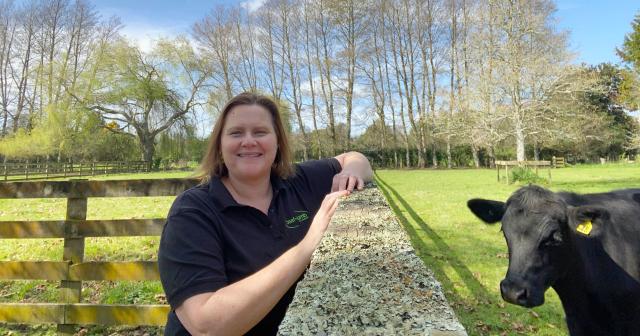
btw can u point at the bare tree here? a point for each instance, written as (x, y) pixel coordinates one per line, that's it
(371, 66)
(529, 43)
(324, 37)
(22, 72)
(453, 38)
(271, 39)
(7, 37)
(308, 46)
(215, 34)
(291, 25)
(244, 29)
(349, 16)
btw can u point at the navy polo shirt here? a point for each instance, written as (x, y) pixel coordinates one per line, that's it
(210, 241)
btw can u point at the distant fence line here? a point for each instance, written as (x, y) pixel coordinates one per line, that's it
(22, 171)
(526, 164)
(72, 270)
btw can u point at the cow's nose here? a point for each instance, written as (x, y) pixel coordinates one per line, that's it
(513, 293)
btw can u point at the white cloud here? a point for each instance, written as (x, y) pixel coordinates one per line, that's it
(143, 34)
(252, 5)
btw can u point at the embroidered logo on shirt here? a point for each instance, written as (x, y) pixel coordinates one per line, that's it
(297, 220)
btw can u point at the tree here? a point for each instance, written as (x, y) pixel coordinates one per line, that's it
(214, 35)
(145, 94)
(630, 87)
(530, 55)
(630, 51)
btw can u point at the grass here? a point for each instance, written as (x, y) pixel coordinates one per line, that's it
(470, 258)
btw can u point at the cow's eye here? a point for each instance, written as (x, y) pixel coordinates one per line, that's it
(554, 239)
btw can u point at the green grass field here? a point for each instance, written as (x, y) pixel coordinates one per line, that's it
(468, 257)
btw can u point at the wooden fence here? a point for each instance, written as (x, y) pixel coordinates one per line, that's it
(72, 270)
(46, 170)
(534, 164)
(558, 162)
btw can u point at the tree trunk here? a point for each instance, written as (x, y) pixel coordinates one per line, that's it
(148, 150)
(449, 156)
(434, 155)
(492, 156)
(520, 154)
(474, 153)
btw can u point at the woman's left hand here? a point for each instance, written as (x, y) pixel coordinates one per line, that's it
(346, 180)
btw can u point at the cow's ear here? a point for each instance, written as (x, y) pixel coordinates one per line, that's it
(588, 220)
(636, 197)
(489, 211)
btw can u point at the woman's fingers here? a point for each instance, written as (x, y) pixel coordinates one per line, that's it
(352, 182)
(330, 203)
(345, 181)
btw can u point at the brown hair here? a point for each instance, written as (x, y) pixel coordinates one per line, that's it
(212, 164)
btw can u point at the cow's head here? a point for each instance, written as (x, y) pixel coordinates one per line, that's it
(535, 225)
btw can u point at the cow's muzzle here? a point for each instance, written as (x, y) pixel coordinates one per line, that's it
(518, 293)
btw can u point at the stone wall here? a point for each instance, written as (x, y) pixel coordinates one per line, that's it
(366, 279)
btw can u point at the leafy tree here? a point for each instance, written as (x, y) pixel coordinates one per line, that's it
(630, 86)
(145, 94)
(630, 51)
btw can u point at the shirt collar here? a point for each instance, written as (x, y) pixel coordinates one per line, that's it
(222, 197)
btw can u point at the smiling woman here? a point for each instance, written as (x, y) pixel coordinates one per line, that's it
(235, 246)
(248, 145)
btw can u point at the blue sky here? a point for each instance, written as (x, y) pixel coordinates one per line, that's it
(596, 27)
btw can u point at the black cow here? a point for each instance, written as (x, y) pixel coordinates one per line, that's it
(587, 247)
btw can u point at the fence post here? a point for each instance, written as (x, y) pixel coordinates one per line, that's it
(70, 291)
(506, 172)
(26, 170)
(5, 171)
(80, 169)
(46, 169)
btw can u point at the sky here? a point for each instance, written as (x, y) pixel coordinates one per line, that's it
(596, 27)
(145, 20)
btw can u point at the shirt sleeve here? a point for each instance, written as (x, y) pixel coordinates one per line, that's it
(315, 178)
(190, 257)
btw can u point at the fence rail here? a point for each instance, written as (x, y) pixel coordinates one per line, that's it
(72, 270)
(83, 313)
(45, 170)
(534, 164)
(558, 162)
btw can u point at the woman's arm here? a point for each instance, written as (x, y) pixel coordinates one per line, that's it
(236, 308)
(356, 170)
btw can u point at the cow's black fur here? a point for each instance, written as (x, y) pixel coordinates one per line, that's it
(596, 276)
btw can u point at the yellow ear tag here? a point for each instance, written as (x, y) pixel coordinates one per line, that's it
(585, 227)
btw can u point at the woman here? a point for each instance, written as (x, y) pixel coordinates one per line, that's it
(234, 247)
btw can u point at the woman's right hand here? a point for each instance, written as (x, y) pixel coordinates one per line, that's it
(322, 218)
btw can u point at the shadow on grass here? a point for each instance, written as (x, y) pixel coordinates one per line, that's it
(480, 293)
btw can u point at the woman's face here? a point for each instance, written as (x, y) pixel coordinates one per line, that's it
(249, 143)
